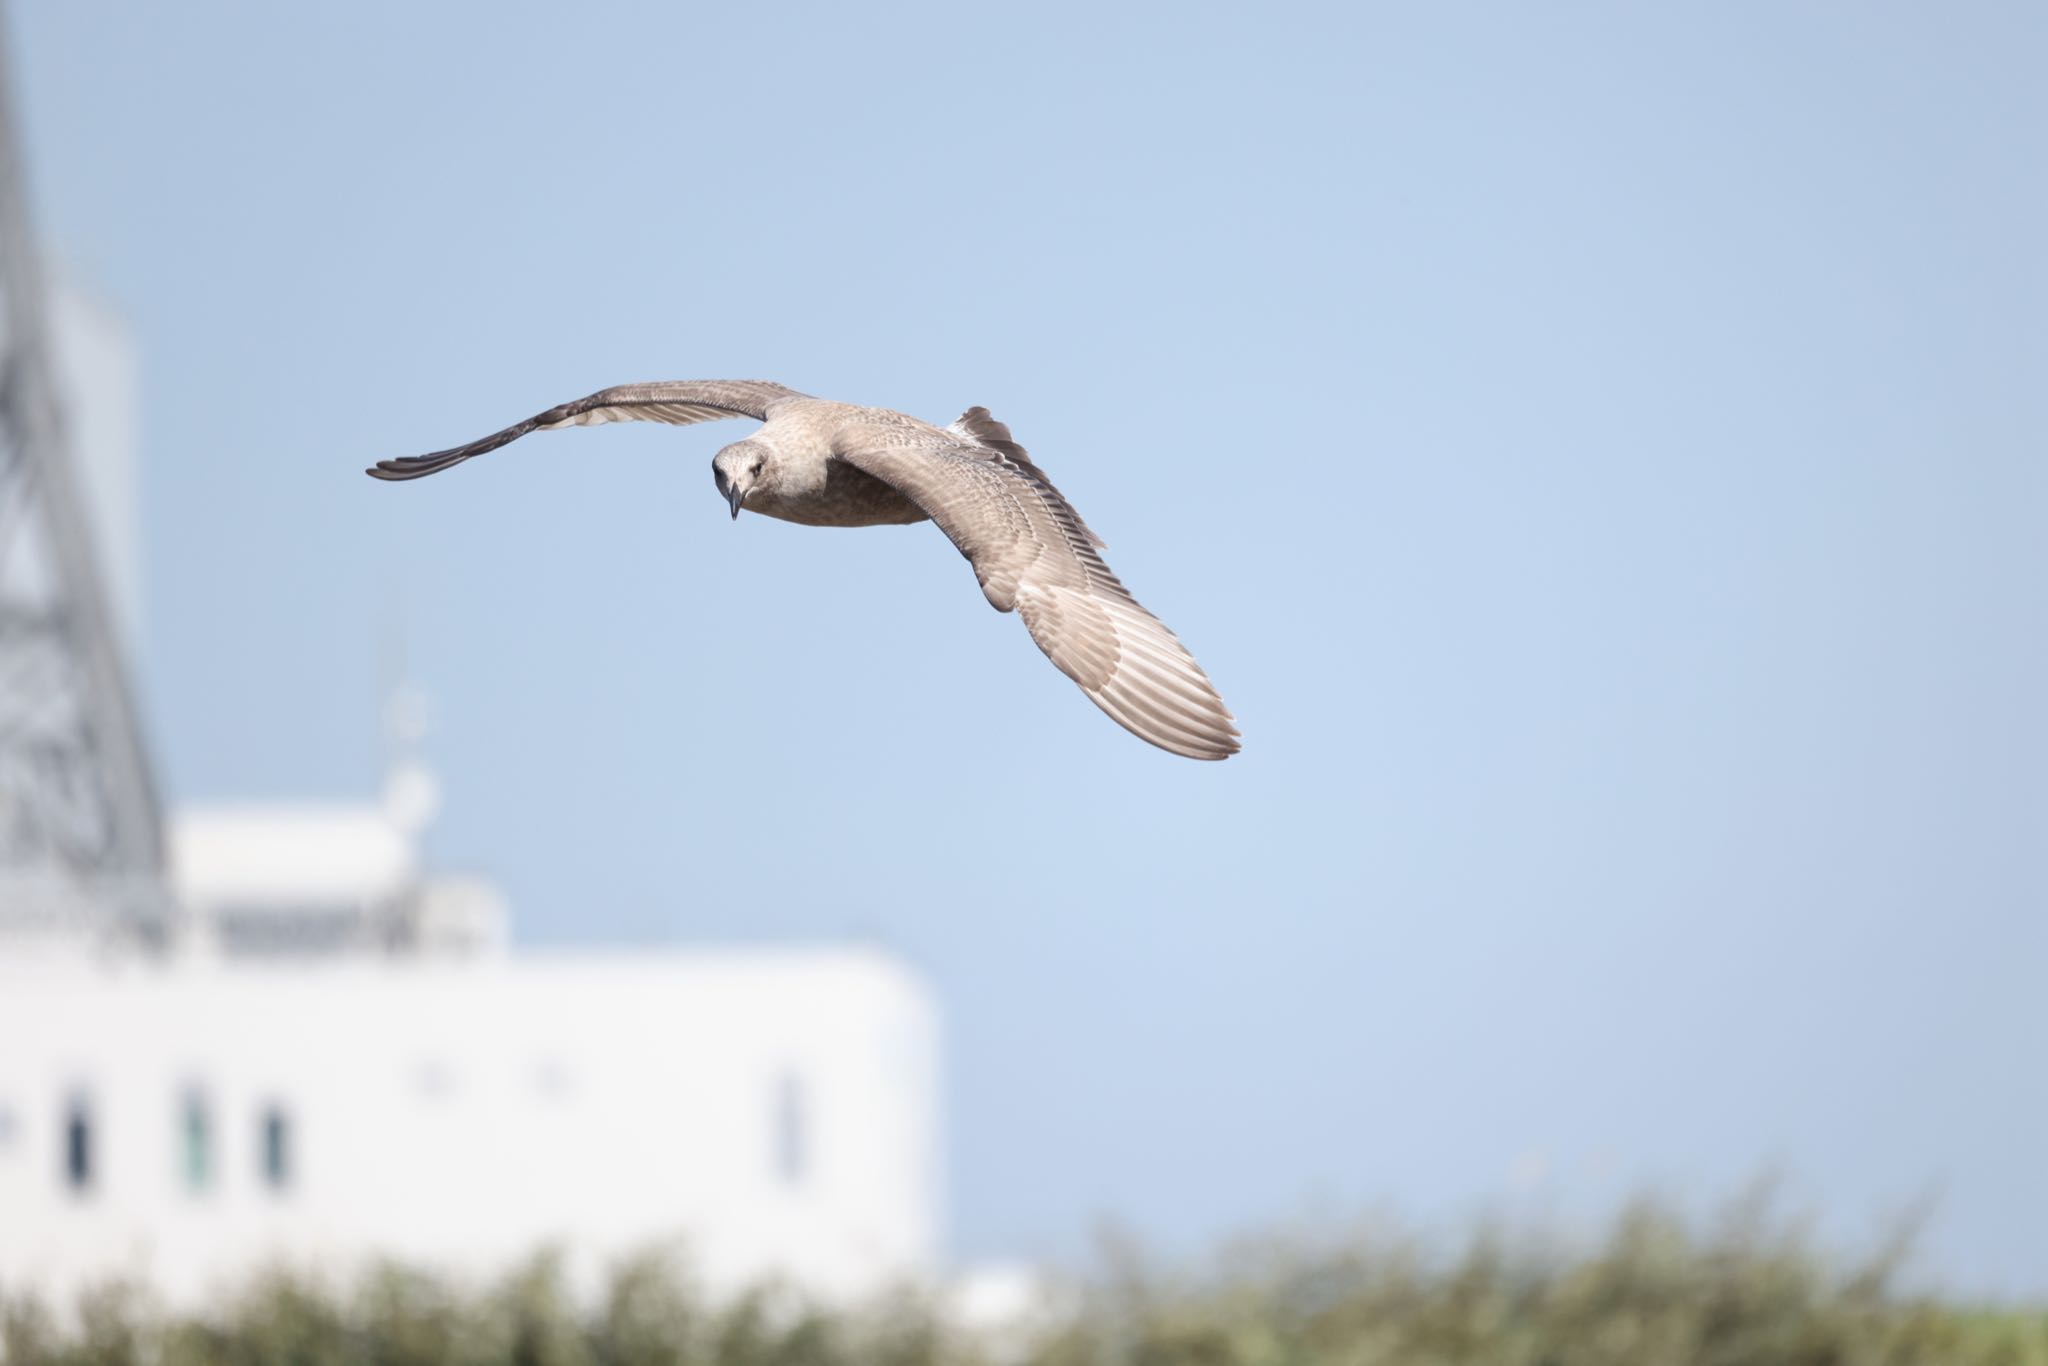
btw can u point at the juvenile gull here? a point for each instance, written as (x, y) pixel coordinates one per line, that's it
(838, 464)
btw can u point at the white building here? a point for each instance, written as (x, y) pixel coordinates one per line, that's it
(342, 1062)
(339, 1058)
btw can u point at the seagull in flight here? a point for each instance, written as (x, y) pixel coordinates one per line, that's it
(838, 464)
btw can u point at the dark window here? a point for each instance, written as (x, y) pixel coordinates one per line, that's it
(78, 1144)
(277, 1147)
(792, 1129)
(195, 1139)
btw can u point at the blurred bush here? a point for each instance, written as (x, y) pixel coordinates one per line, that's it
(1749, 1292)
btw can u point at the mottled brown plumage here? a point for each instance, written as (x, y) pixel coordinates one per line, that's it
(837, 464)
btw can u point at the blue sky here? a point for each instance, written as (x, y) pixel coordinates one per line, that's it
(1597, 451)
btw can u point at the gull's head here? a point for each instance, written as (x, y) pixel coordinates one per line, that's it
(737, 469)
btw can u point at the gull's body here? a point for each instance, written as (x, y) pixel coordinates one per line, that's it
(837, 464)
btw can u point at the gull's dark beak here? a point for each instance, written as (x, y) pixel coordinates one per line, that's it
(735, 495)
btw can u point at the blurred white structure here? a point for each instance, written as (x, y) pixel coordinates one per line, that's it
(340, 1060)
(97, 382)
(329, 1055)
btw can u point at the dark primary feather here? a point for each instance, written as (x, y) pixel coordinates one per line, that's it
(678, 402)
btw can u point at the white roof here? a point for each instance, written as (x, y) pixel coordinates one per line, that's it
(282, 855)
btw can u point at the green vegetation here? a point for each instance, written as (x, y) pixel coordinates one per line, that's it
(1656, 1293)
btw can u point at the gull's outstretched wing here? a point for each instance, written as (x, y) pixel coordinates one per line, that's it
(677, 401)
(1032, 553)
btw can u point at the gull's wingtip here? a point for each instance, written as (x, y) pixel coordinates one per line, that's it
(405, 467)
(1216, 751)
